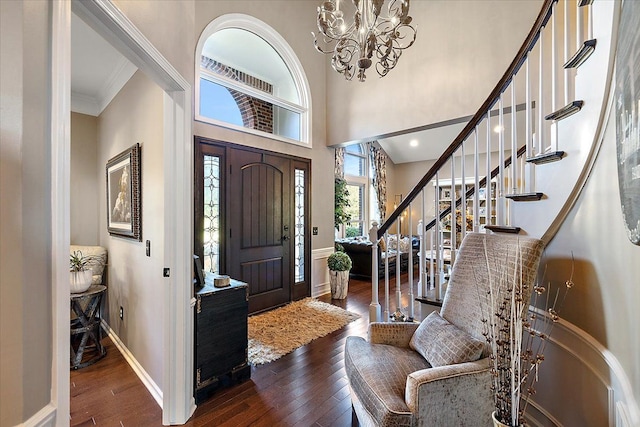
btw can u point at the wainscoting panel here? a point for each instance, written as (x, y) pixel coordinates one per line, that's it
(581, 383)
(320, 271)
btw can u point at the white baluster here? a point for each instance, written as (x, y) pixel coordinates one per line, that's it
(421, 260)
(476, 181)
(374, 307)
(410, 264)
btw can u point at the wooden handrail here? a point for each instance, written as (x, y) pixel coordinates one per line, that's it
(484, 110)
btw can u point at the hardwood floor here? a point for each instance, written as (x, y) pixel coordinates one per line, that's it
(307, 387)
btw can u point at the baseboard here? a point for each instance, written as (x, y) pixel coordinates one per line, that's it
(45, 417)
(146, 379)
(320, 271)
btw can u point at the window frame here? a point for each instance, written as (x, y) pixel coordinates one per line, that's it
(366, 181)
(279, 44)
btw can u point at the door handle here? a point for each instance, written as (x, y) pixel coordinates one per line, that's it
(285, 238)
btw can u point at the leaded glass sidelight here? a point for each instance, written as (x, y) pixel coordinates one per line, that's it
(299, 225)
(211, 236)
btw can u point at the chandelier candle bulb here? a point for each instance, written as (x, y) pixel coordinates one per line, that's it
(371, 37)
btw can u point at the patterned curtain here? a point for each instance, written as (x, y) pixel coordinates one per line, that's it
(339, 166)
(379, 162)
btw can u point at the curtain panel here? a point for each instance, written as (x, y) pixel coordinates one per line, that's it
(379, 162)
(339, 165)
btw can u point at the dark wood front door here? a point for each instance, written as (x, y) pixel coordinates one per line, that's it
(252, 220)
(260, 225)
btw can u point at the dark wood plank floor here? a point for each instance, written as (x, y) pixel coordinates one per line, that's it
(307, 387)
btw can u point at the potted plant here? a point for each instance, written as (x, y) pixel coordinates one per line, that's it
(80, 274)
(339, 265)
(517, 338)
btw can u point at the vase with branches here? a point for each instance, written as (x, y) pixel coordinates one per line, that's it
(516, 335)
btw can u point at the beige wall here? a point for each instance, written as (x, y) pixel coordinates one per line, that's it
(25, 212)
(439, 77)
(85, 191)
(135, 115)
(604, 300)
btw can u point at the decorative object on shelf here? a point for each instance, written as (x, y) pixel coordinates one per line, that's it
(221, 281)
(370, 37)
(339, 265)
(124, 194)
(446, 222)
(516, 335)
(80, 275)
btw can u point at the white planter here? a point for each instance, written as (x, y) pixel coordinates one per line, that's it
(80, 281)
(339, 281)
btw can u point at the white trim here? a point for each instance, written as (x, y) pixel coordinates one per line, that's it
(106, 19)
(603, 364)
(45, 417)
(142, 374)
(120, 76)
(320, 271)
(280, 45)
(84, 104)
(60, 213)
(251, 91)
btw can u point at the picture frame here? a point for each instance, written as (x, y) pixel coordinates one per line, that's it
(124, 194)
(198, 280)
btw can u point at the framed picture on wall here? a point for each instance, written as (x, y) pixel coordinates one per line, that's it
(124, 194)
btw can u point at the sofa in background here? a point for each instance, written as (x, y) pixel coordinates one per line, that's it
(359, 250)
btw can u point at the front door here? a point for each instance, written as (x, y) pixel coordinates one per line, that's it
(252, 220)
(260, 226)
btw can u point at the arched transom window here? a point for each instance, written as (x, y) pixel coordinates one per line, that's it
(248, 78)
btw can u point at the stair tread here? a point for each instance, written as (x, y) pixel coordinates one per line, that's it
(585, 51)
(552, 156)
(525, 197)
(503, 229)
(566, 111)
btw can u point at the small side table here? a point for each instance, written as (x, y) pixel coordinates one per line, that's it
(85, 327)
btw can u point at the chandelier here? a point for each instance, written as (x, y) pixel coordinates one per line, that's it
(370, 37)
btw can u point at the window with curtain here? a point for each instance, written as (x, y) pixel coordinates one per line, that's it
(364, 207)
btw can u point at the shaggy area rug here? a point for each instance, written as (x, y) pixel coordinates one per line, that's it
(278, 332)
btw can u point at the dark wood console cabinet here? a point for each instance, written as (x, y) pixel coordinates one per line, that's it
(221, 337)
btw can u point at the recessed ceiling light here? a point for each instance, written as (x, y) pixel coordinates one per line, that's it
(413, 143)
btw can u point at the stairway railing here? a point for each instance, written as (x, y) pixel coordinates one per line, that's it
(532, 84)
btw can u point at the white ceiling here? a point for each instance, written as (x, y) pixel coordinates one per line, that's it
(98, 71)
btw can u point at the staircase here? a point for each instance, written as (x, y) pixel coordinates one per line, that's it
(524, 156)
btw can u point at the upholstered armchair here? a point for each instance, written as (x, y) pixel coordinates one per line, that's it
(437, 373)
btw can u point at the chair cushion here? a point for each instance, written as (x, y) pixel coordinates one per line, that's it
(442, 343)
(378, 375)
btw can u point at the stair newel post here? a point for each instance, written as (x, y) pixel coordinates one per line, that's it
(410, 263)
(374, 307)
(398, 261)
(421, 267)
(454, 211)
